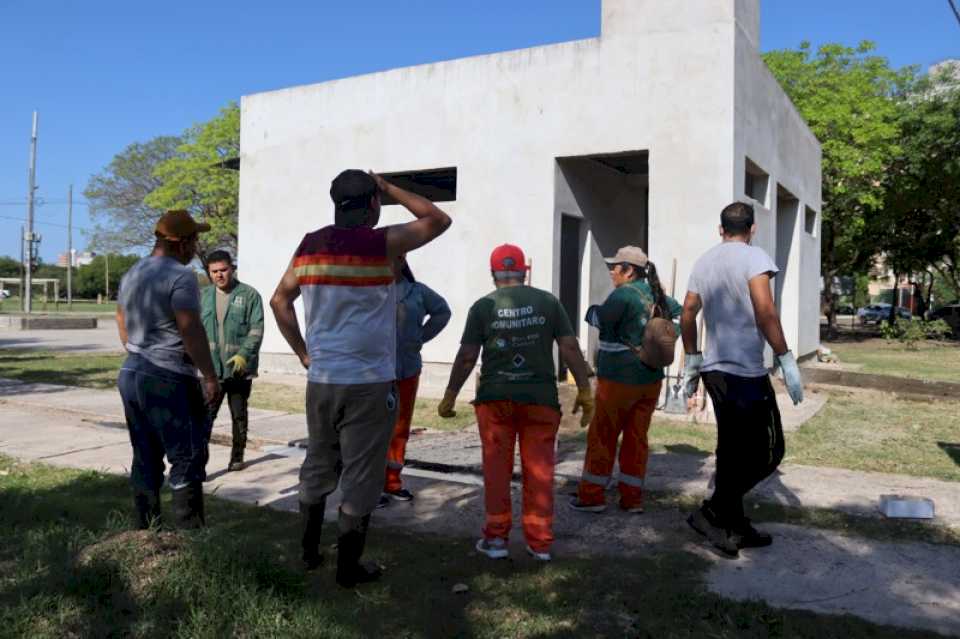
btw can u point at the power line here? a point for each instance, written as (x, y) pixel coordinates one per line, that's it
(20, 219)
(956, 12)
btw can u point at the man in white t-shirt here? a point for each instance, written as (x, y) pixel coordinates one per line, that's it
(731, 283)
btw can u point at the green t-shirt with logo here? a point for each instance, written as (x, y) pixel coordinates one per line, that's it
(516, 326)
(623, 318)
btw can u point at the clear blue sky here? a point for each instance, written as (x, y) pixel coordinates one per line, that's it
(106, 73)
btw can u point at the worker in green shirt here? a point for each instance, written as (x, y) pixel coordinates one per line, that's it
(627, 389)
(232, 314)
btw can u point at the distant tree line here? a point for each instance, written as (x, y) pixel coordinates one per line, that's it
(891, 165)
(89, 280)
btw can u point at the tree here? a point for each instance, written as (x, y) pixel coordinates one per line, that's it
(124, 220)
(847, 96)
(91, 279)
(192, 179)
(9, 267)
(919, 225)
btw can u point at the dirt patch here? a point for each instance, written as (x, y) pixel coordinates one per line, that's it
(139, 554)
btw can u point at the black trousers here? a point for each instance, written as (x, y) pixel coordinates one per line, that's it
(237, 393)
(749, 439)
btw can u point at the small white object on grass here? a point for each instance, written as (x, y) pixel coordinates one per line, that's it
(459, 589)
(906, 507)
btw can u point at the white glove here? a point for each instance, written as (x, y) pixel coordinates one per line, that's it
(691, 373)
(791, 376)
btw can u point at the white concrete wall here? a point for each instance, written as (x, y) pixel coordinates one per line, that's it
(770, 131)
(665, 85)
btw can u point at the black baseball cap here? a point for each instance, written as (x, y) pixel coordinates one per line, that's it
(352, 189)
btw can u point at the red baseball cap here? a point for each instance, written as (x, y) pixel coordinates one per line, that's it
(508, 257)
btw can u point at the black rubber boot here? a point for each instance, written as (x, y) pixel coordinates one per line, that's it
(350, 570)
(147, 505)
(311, 519)
(238, 445)
(188, 506)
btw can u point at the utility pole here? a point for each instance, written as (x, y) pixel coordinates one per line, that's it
(70, 247)
(28, 236)
(106, 277)
(22, 269)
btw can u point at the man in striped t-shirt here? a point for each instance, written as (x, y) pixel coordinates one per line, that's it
(345, 274)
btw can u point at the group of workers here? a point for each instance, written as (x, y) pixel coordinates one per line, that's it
(366, 318)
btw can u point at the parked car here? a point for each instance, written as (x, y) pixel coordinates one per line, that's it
(4, 294)
(846, 309)
(876, 313)
(949, 314)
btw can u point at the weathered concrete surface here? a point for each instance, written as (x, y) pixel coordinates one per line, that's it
(900, 584)
(911, 585)
(104, 338)
(886, 383)
(848, 491)
(47, 322)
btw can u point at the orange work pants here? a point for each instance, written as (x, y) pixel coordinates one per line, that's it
(500, 423)
(407, 392)
(621, 408)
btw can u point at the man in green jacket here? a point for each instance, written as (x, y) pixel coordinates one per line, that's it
(233, 319)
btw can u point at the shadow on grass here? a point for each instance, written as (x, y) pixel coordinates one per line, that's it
(952, 451)
(241, 577)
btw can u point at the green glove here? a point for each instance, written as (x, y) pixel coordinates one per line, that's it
(239, 364)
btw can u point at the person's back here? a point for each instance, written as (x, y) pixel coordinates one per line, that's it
(149, 292)
(349, 299)
(721, 277)
(517, 327)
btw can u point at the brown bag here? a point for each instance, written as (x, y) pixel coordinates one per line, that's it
(658, 348)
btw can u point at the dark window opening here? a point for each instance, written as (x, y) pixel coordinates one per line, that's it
(437, 185)
(755, 182)
(810, 221)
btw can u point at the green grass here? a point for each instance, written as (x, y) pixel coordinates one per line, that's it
(291, 399)
(12, 305)
(857, 430)
(69, 569)
(935, 361)
(87, 370)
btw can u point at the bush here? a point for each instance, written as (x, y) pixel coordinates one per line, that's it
(910, 332)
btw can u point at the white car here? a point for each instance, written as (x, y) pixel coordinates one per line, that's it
(4, 294)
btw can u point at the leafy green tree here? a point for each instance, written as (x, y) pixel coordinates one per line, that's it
(9, 267)
(919, 227)
(91, 280)
(123, 220)
(193, 180)
(847, 96)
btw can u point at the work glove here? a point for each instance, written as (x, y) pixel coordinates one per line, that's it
(445, 407)
(791, 376)
(586, 402)
(693, 362)
(239, 363)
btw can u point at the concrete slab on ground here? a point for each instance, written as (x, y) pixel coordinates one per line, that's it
(104, 338)
(904, 584)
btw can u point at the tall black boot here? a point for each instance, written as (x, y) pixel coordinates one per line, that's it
(147, 504)
(238, 445)
(311, 520)
(353, 538)
(188, 506)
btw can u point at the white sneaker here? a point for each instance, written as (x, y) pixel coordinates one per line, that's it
(493, 548)
(539, 556)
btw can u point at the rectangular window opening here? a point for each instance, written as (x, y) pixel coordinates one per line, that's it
(810, 221)
(437, 185)
(755, 182)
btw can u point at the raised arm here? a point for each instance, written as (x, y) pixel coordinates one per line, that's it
(430, 222)
(288, 290)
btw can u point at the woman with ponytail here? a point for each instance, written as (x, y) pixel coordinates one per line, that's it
(627, 389)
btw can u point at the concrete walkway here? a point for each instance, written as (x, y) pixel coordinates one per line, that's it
(907, 584)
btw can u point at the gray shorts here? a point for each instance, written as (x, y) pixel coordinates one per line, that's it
(349, 427)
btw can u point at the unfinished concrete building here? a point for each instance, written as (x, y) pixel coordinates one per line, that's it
(638, 136)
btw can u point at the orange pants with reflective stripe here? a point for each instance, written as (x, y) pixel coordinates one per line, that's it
(501, 423)
(407, 392)
(621, 408)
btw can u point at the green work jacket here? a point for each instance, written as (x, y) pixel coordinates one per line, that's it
(242, 327)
